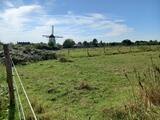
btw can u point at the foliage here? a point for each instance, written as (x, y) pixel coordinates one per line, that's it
(95, 42)
(28, 53)
(101, 44)
(85, 44)
(3, 94)
(42, 46)
(68, 43)
(1, 43)
(127, 42)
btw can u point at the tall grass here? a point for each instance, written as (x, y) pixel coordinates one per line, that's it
(146, 105)
(145, 102)
(3, 94)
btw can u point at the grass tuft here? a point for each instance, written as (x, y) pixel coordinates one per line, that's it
(83, 85)
(63, 60)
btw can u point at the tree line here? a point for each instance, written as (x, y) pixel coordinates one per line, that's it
(69, 43)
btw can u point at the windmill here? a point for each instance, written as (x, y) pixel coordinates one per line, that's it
(52, 38)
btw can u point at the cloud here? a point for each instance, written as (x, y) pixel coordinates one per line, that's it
(16, 17)
(92, 22)
(118, 29)
(11, 3)
(30, 22)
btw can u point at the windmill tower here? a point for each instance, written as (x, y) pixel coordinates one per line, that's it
(52, 38)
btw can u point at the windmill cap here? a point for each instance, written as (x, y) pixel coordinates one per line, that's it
(51, 36)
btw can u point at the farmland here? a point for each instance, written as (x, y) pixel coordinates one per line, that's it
(83, 87)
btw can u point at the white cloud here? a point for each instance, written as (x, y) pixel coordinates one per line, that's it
(16, 17)
(29, 22)
(93, 21)
(11, 3)
(118, 29)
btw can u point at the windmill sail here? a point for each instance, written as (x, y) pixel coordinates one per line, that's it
(58, 37)
(52, 29)
(47, 36)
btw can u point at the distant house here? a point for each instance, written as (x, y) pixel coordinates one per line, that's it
(23, 43)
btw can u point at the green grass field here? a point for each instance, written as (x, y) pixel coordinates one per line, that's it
(83, 88)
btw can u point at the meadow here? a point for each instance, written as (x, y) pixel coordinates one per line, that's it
(89, 85)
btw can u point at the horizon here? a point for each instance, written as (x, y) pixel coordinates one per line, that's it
(81, 20)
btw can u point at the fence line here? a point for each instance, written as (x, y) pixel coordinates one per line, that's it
(19, 112)
(20, 102)
(34, 115)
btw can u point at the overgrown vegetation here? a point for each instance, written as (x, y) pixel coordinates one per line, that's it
(3, 94)
(145, 102)
(26, 54)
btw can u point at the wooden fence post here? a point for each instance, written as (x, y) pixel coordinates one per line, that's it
(68, 51)
(8, 65)
(88, 52)
(104, 50)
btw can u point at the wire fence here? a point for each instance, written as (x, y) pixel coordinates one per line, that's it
(18, 98)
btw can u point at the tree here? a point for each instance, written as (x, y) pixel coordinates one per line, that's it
(68, 43)
(85, 44)
(1, 43)
(153, 42)
(59, 46)
(127, 42)
(79, 43)
(141, 42)
(95, 42)
(101, 43)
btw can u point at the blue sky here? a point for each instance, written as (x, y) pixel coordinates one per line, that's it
(106, 20)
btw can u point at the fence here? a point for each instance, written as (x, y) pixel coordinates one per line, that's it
(14, 96)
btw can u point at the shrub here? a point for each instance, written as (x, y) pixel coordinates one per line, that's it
(48, 55)
(68, 43)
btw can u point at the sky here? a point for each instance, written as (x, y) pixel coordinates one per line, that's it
(106, 20)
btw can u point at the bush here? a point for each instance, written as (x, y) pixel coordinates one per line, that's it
(48, 55)
(68, 43)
